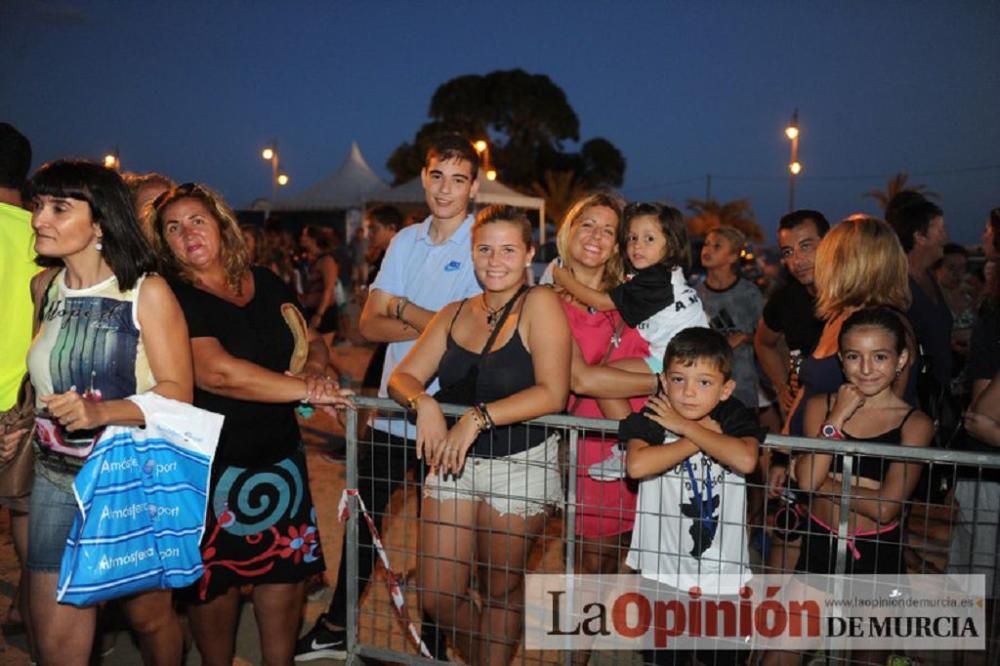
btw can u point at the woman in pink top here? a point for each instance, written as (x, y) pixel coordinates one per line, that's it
(588, 246)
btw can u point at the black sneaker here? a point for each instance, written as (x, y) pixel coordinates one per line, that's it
(321, 642)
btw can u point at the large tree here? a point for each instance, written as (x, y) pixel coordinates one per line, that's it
(526, 119)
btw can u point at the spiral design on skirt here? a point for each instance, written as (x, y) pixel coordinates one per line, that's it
(249, 501)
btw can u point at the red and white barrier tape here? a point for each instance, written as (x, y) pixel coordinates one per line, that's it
(393, 581)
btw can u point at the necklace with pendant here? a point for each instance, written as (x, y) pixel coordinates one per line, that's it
(493, 315)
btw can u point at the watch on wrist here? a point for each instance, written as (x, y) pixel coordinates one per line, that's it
(830, 431)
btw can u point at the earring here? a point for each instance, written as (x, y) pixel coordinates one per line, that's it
(98, 246)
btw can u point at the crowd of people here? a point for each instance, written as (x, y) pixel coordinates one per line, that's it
(121, 286)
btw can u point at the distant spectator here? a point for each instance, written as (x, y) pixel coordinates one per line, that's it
(733, 305)
(921, 231)
(144, 189)
(383, 223)
(949, 271)
(258, 248)
(320, 295)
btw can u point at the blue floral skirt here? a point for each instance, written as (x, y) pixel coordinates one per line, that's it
(261, 528)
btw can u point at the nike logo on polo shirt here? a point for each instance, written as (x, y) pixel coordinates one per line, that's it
(452, 266)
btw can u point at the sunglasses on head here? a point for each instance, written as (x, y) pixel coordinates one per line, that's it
(181, 190)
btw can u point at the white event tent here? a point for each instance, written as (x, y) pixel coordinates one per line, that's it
(490, 192)
(350, 186)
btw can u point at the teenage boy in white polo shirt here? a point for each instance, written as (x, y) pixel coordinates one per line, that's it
(427, 266)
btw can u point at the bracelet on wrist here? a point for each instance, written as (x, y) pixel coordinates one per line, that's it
(400, 306)
(488, 423)
(477, 417)
(830, 431)
(411, 402)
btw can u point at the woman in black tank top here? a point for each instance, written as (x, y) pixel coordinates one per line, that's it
(872, 353)
(506, 353)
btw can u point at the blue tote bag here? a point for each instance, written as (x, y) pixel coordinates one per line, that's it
(141, 496)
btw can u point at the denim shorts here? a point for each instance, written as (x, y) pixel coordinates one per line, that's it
(50, 517)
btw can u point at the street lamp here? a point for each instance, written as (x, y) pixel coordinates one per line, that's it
(794, 166)
(483, 148)
(270, 154)
(112, 160)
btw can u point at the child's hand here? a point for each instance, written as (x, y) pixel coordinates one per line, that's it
(849, 400)
(561, 275)
(665, 415)
(737, 339)
(708, 423)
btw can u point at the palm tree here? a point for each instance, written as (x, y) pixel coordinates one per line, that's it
(894, 186)
(560, 189)
(709, 214)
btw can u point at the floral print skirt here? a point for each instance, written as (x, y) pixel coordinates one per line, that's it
(261, 528)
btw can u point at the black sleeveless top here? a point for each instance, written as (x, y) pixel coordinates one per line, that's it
(869, 467)
(503, 373)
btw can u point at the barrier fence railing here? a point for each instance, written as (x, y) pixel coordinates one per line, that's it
(936, 533)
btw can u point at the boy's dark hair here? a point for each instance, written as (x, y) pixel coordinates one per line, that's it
(126, 249)
(453, 146)
(700, 344)
(673, 226)
(15, 157)
(803, 215)
(913, 218)
(387, 216)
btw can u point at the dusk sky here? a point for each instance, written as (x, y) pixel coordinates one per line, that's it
(196, 89)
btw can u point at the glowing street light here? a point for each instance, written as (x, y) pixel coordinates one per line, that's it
(794, 166)
(278, 179)
(483, 148)
(112, 160)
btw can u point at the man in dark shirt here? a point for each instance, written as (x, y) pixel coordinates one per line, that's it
(920, 227)
(789, 319)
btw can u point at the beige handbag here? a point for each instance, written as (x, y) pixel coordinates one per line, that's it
(17, 475)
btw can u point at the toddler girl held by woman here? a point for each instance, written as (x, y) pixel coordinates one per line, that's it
(655, 299)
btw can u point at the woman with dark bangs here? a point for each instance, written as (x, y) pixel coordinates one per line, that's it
(109, 329)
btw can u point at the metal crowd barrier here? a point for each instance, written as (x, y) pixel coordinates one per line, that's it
(926, 551)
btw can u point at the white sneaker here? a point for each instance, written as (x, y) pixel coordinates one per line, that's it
(611, 469)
